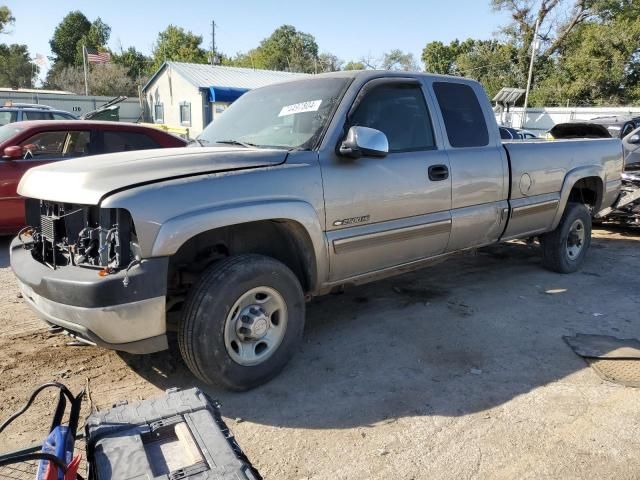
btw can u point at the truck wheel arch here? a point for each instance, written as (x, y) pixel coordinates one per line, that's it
(583, 184)
(294, 236)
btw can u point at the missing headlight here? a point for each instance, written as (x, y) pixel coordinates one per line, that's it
(82, 235)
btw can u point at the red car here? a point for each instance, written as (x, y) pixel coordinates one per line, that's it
(29, 144)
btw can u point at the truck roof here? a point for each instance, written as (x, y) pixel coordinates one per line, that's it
(370, 74)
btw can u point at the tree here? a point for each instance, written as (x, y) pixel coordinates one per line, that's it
(69, 79)
(439, 58)
(286, 49)
(6, 18)
(109, 79)
(136, 63)
(557, 20)
(16, 69)
(600, 64)
(328, 62)
(492, 63)
(290, 50)
(98, 34)
(443, 59)
(72, 33)
(354, 65)
(558, 23)
(398, 60)
(67, 36)
(174, 43)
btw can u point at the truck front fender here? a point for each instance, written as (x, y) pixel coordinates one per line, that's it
(176, 231)
(571, 178)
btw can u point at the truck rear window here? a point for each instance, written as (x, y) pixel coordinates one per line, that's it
(463, 117)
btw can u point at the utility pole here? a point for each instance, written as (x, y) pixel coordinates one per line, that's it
(534, 47)
(213, 42)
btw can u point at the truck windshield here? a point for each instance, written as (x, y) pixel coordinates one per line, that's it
(287, 115)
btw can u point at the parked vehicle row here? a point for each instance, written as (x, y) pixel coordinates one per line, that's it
(299, 188)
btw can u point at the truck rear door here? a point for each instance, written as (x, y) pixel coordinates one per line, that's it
(479, 166)
(383, 212)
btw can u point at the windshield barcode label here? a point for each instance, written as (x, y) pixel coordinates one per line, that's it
(310, 106)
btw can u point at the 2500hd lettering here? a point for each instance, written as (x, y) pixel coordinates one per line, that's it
(299, 188)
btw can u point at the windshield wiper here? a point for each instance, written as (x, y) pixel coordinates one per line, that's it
(198, 141)
(238, 142)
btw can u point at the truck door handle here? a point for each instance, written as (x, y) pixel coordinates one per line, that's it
(438, 172)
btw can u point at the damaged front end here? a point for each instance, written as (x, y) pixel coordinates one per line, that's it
(74, 267)
(87, 236)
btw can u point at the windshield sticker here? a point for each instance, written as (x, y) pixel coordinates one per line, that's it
(310, 106)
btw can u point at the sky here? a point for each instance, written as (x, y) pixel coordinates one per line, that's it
(349, 29)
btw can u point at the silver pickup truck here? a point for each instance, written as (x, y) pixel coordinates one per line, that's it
(298, 189)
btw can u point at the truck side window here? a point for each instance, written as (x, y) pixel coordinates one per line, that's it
(463, 117)
(400, 112)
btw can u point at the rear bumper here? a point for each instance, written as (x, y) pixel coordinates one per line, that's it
(98, 309)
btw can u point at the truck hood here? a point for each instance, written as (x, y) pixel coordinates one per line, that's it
(87, 180)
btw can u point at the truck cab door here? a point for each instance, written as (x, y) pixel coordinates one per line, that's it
(385, 212)
(479, 166)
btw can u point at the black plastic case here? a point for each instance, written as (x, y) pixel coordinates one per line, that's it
(179, 435)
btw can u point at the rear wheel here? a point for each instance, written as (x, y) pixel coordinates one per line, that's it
(242, 321)
(565, 249)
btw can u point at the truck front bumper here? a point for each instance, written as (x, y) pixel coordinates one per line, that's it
(101, 310)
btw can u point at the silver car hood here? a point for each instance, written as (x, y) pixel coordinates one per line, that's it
(87, 180)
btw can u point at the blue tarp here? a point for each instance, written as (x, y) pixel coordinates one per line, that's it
(225, 94)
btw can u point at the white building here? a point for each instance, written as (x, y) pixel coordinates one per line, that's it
(191, 95)
(540, 120)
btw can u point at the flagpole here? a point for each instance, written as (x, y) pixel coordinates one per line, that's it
(84, 64)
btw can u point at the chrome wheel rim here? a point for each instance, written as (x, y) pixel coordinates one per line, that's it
(575, 239)
(255, 326)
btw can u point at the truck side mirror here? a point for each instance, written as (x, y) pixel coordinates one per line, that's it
(635, 139)
(12, 153)
(364, 141)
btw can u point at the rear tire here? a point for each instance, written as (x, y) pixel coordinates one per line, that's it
(564, 250)
(242, 321)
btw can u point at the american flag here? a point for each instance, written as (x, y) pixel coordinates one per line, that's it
(94, 56)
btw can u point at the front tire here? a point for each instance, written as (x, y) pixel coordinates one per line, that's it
(242, 321)
(564, 250)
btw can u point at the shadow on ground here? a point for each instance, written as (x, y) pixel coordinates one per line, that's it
(464, 336)
(461, 337)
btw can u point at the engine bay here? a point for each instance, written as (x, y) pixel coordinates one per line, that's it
(67, 234)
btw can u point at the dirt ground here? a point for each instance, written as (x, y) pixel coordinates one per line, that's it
(457, 371)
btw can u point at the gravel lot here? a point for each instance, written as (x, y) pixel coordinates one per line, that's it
(458, 371)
